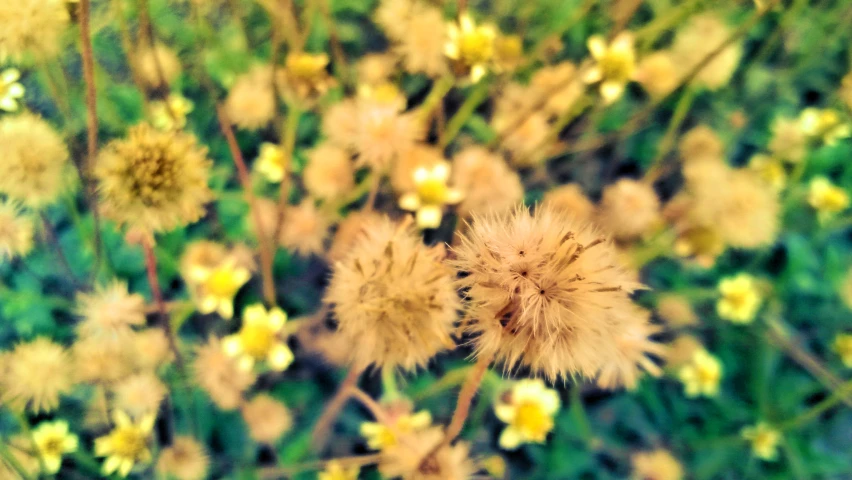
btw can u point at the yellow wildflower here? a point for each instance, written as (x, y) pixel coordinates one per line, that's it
(843, 346)
(380, 436)
(764, 440)
(126, 445)
(218, 285)
(823, 124)
(259, 340)
(10, 89)
(769, 169)
(52, 440)
(270, 162)
(508, 52)
(306, 77)
(170, 114)
(826, 198)
(528, 409)
(336, 471)
(740, 300)
(430, 195)
(471, 47)
(615, 65)
(702, 375)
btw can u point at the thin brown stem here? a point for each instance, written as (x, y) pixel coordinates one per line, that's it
(370, 404)
(289, 146)
(345, 462)
(53, 240)
(333, 408)
(468, 391)
(154, 283)
(264, 240)
(341, 64)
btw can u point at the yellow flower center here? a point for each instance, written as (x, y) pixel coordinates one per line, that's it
(257, 340)
(432, 191)
(707, 375)
(222, 284)
(304, 66)
(129, 442)
(476, 46)
(617, 66)
(533, 420)
(52, 446)
(739, 299)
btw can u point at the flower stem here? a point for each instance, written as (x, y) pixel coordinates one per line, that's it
(165, 324)
(820, 408)
(468, 391)
(345, 462)
(454, 126)
(664, 147)
(333, 408)
(289, 145)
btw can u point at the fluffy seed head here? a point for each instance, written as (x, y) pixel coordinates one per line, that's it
(153, 180)
(629, 209)
(544, 292)
(184, 459)
(329, 173)
(251, 100)
(267, 418)
(35, 169)
(220, 376)
(31, 26)
(16, 231)
(139, 394)
(405, 459)
(109, 313)
(486, 181)
(701, 36)
(34, 376)
(571, 200)
(393, 298)
(421, 47)
(158, 66)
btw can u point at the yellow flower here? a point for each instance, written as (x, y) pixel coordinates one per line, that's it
(170, 114)
(769, 169)
(764, 440)
(702, 375)
(126, 445)
(380, 436)
(52, 440)
(258, 339)
(335, 471)
(826, 198)
(508, 52)
(10, 89)
(615, 65)
(430, 195)
(305, 76)
(823, 124)
(740, 300)
(843, 346)
(217, 286)
(528, 409)
(270, 162)
(471, 47)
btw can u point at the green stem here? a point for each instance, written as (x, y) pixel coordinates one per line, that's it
(666, 144)
(818, 409)
(439, 90)
(578, 413)
(454, 126)
(288, 144)
(389, 386)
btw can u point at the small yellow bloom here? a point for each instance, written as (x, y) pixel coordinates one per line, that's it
(430, 195)
(52, 440)
(270, 162)
(126, 445)
(702, 375)
(170, 114)
(769, 169)
(528, 410)
(335, 471)
(615, 65)
(384, 94)
(843, 346)
(471, 47)
(259, 339)
(764, 440)
(380, 436)
(508, 52)
(823, 124)
(306, 77)
(10, 89)
(703, 244)
(826, 198)
(740, 300)
(217, 286)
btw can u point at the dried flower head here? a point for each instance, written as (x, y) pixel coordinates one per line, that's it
(421, 46)
(126, 445)
(629, 209)
(31, 27)
(267, 418)
(527, 145)
(375, 68)
(251, 100)
(35, 375)
(656, 465)
(632, 353)
(35, 168)
(700, 143)
(100, 363)
(408, 458)
(431, 194)
(150, 349)
(571, 200)
(109, 313)
(305, 228)
(220, 375)
(658, 74)
(676, 310)
(559, 86)
(470, 47)
(681, 351)
(788, 142)
(16, 231)
(702, 35)
(153, 180)
(544, 292)
(764, 440)
(139, 395)
(10, 89)
(393, 298)
(157, 67)
(486, 182)
(53, 440)
(528, 409)
(615, 65)
(330, 173)
(184, 459)
(348, 232)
